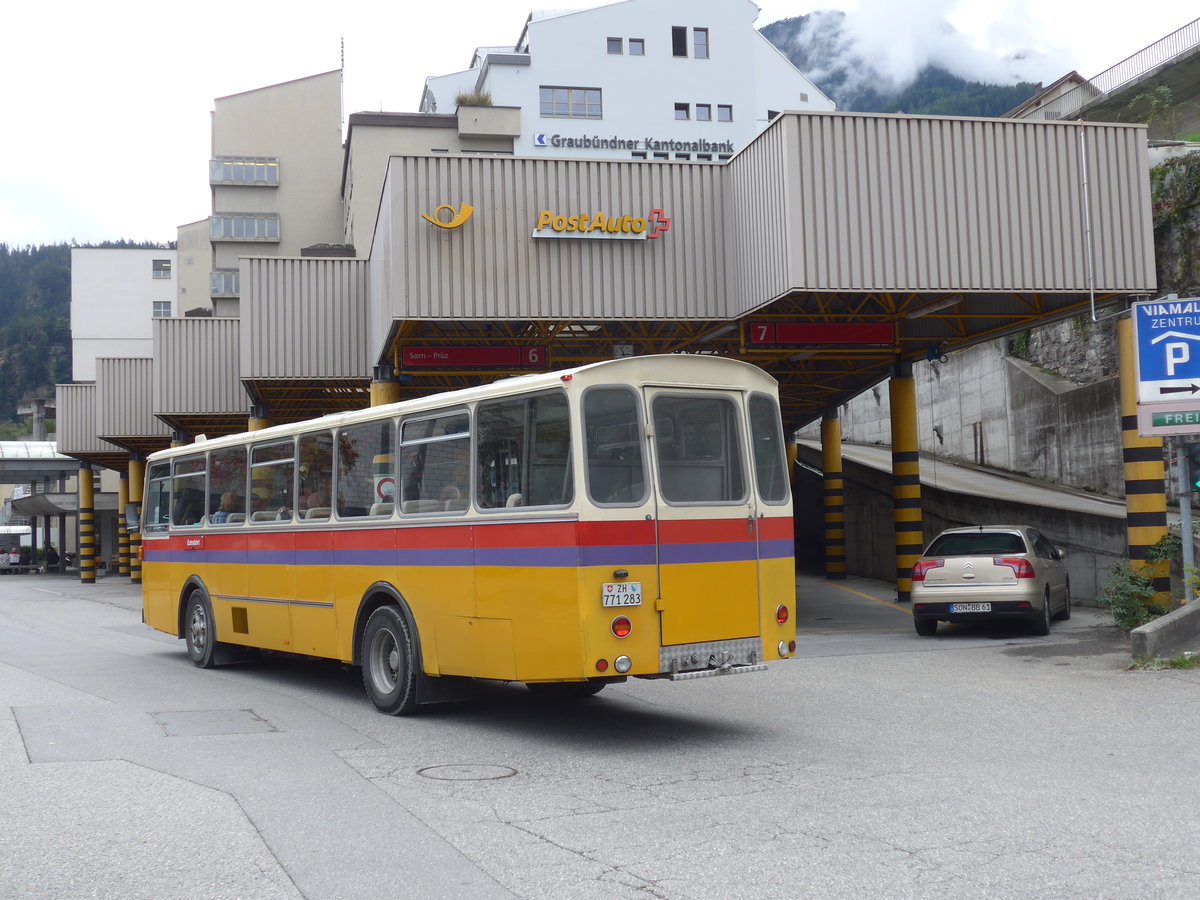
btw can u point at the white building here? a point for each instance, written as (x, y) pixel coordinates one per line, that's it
(115, 296)
(639, 79)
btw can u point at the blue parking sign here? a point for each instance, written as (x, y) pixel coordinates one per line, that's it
(1167, 339)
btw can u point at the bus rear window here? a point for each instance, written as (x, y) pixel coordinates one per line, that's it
(615, 471)
(699, 454)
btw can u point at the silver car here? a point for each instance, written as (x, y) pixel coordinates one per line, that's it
(990, 573)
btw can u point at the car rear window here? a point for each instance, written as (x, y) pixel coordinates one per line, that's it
(987, 543)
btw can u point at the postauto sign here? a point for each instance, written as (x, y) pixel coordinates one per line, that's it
(601, 225)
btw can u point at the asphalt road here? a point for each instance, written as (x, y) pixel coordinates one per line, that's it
(877, 763)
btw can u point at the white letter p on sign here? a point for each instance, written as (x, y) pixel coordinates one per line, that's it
(1177, 355)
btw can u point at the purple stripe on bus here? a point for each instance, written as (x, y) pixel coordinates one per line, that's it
(537, 557)
(632, 555)
(724, 551)
(534, 557)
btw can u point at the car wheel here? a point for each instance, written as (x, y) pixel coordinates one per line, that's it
(198, 630)
(1041, 625)
(389, 674)
(1065, 613)
(925, 626)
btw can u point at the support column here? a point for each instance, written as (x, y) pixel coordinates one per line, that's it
(122, 527)
(906, 477)
(1145, 491)
(834, 496)
(137, 473)
(385, 386)
(258, 418)
(180, 438)
(87, 525)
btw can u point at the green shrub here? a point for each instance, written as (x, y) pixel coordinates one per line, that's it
(1129, 597)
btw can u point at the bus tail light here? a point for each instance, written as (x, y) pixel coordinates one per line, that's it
(621, 626)
(783, 648)
(602, 665)
(623, 664)
(781, 614)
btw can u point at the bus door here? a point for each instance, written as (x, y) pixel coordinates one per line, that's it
(707, 517)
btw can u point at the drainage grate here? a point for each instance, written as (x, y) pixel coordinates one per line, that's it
(212, 721)
(467, 773)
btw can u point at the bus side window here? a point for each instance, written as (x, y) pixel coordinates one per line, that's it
(524, 452)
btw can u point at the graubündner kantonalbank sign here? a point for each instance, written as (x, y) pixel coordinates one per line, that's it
(596, 142)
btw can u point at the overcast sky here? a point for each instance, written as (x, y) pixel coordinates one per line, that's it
(106, 105)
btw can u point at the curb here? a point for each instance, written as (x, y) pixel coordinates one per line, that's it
(1167, 634)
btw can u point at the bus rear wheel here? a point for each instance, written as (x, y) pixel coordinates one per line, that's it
(387, 662)
(199, 632)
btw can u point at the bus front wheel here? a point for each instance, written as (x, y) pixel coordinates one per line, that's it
(198, 631)
(387, 662)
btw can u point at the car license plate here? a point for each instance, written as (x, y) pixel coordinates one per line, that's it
(970, 607)
(621, 593)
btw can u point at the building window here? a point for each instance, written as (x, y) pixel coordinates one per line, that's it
(658, 154)
(724, 113)
(244, 227)
(705, 157)
(682, 111)
(638, 154)
(700, 43)
(679, 40)
(616, 45)
(570, 103)
(637, 47)
(224, 283)
(683, 156)
(162, 309)
(703, 112)
(262, 170)
(161, 268)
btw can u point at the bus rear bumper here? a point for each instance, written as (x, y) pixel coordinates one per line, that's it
(723, 670)
(711, 658)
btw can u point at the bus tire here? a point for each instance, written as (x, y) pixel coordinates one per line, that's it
(387, 662)
(199, 630)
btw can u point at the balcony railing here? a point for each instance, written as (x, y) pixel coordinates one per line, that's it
(1168, 48)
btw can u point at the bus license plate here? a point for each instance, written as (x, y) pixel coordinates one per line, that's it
(621, 593)
(970, 607)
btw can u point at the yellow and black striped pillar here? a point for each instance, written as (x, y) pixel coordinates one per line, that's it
(258, 418)
(906, 477)
(385, 387)
(1145, 491)
(87, 525)
(137, 471)
(122, 528)
(834, 496)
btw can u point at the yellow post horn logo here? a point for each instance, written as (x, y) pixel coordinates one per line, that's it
(457, 216)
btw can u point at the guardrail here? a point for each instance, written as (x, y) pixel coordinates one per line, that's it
(1161, 51)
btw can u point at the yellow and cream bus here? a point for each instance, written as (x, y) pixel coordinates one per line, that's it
(565, 529)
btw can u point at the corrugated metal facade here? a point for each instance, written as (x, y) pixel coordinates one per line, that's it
(76, 421)
(899, 203)
(197, 366)
(124, 405)
(819, 202)
(305, 318)
(492, 268)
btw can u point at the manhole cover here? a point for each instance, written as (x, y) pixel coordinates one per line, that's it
(213, 721)
(467, 773)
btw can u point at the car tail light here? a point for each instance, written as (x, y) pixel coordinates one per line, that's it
(1021, 566)
(621, 626)
(924, 565)
(781, 614)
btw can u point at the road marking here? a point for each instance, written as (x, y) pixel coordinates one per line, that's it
(887, 603)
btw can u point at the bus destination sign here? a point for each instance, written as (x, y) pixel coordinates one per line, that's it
(473, 357)
(808, 334)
